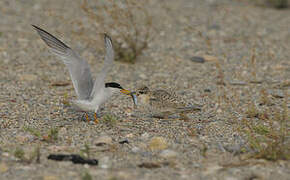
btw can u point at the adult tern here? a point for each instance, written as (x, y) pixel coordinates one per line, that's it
(90, 94)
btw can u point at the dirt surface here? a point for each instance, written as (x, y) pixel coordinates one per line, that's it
(246, 51)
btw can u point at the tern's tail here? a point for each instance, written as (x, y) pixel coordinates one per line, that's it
(84, 105)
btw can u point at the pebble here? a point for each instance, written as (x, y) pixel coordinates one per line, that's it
(50, 177)
(124, 141)
(3, 168)
(277, 93)
(238, 83)
(27, 77)
(168, 154)
(56, 148)
(105, 162)
(142, 76)
(157, 143)
(22, 138)
(103, 140)
(210, 58)
(145, 136)
(135, 149)
(130, 135)
(197, 59)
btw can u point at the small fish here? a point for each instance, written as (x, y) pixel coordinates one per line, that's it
(134, 97)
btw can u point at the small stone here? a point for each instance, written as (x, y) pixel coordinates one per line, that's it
(276, 124)
(130, 135)
(135, 149)
(27, 77)
(207, 90)
(124, 175)
(145, 136)
(56, 148)
(103, 140)
(125, 141)
(24, 138)
(157, 143)
(21, 139)
(238, 83)
(168, 154)
(50, 177)
(5, 154)
(149, 165)
(210, 58)
(142, 76)
(62, 132)
(3, 168)
(86, 166)
(197, 59)
(105, 162)
(277, 93)
(212, 169)
(231, 178)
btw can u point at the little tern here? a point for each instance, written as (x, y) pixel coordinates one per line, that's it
(90, 94)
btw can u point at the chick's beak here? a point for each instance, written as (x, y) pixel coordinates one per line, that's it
(125, 91)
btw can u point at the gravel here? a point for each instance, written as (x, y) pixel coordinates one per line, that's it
(35, 89)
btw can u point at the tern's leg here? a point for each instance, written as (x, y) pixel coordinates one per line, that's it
(96, 118)
(87, 117)
(95, 115)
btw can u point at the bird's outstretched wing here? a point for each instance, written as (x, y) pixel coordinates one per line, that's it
(78, 68)
(109, 58)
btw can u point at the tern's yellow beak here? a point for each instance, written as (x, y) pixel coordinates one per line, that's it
(125, 91)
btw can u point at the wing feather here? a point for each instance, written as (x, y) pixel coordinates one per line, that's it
(78, 68)
(109, 58)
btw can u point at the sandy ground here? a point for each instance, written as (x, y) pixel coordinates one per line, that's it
(226, 33)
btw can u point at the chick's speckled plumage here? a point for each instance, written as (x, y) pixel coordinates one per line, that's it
(163, 102)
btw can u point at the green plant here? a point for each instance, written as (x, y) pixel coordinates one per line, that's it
(263, 125)
(264, 98)
(35, 154)
(110, 119)
(65, 99)
(203, 150)
(19, 153)
(85, 151)
(127, 21)
(266, 139)
(252, 111)
(86, 176)
(32, 131)
(53, 135)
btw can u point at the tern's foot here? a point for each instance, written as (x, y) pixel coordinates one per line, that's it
(96, 120)
(87, 117)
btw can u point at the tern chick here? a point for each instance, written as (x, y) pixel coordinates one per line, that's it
(164, 103)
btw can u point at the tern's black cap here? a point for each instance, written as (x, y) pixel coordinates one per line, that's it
(113, 85)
